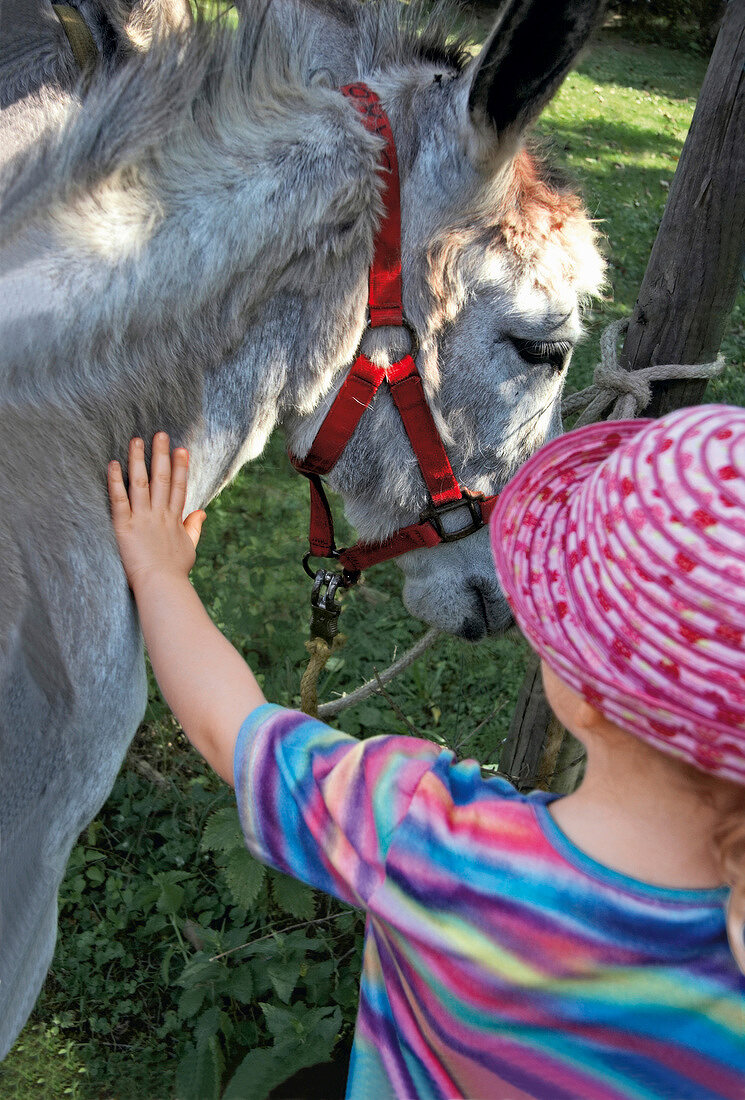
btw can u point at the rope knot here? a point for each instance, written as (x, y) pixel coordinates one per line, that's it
(629, 390)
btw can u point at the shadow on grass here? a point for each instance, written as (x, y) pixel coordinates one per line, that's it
(611, 136)
(614, 58)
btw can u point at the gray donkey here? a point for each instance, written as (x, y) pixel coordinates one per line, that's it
(186, 247)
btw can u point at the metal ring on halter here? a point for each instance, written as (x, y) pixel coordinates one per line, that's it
(414, 349)
(349, 576)
(405, 324)
(334, 555)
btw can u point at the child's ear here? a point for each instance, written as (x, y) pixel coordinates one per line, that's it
(588, 717)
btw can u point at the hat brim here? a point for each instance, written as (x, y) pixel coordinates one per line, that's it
(537, 503)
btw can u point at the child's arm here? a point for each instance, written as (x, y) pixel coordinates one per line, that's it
(207, 684)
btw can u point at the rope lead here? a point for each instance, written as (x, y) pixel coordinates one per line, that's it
(319, 651)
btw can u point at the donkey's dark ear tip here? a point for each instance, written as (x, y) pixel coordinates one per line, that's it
(530, 50)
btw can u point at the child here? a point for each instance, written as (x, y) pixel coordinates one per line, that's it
(521, 946)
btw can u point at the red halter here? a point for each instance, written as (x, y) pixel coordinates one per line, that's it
(405, 383)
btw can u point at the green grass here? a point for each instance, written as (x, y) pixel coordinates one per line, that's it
(112, 1020)
(44, 1063)
(618, 125)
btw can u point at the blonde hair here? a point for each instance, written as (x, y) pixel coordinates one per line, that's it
(729, 844)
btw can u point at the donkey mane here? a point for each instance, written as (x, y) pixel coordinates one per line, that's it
(206, 75)
(127, 115)
(188, 102)
(201, 82)
(396, 34)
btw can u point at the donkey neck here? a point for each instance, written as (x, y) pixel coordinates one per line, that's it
(202, 292)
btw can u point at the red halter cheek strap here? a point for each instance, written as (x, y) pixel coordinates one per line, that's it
(405, 383)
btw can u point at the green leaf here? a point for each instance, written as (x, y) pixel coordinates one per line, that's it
(190, 1001)
(280, 1021)
(319, 982)
(348, 991)
(244, 876)
(262, 984)
(246, 1034)
(227, 1027)
(283, 974)
(207, 1025)
(263, 1070)
(325, 1026)
(223, 832)
(241, 984)
(154, 924)
(145, 897)
(293, 897)
(170, 898)
(200, 969)
(198, 1074)
(369, 716)
(258, 1074)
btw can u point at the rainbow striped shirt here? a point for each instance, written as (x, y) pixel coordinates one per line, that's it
(500, 962)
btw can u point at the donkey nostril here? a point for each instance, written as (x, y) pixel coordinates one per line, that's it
(475, 625)
(473, 629)
(489, 611)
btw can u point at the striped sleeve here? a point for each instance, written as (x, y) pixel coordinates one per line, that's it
(321, 805)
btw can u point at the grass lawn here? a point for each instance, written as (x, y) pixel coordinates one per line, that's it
(140, 890)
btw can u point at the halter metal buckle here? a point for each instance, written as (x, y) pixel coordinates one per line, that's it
(472, 502)
(349, 577)
(324, 609)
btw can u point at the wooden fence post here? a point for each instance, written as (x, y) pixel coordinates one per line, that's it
(554, 759)
(686, 296)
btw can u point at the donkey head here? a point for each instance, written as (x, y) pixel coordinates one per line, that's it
(497, 257)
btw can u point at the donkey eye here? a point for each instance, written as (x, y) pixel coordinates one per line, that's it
(555, 353)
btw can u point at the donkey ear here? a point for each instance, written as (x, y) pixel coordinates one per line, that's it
(527, 55)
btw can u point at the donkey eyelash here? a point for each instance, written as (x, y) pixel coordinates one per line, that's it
(541, 351)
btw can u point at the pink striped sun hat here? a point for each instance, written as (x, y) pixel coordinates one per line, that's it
(621, 550)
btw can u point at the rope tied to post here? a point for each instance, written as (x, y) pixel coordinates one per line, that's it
(630, 391)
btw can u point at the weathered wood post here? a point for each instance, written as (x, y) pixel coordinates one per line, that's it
(687, 294)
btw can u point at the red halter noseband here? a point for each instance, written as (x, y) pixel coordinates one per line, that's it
(405, 383)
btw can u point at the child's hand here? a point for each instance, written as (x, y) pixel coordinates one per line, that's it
(153, 540)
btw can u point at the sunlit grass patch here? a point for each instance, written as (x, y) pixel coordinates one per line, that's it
(44, 1063)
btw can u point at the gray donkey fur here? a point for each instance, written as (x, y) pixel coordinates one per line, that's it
(186, 248)
(38, 72)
